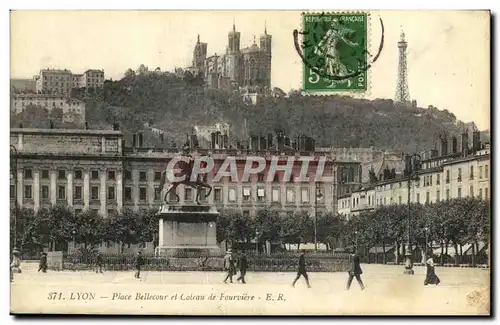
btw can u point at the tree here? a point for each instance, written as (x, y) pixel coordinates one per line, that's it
(32, 116)
(142, 70)
(129, 73)
(329, 229)
(124, 228)
(89, 228)
(56, 115)
(149, 226)
(267, 223)
(296, 228)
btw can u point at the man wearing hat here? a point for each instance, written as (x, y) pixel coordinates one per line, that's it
(43, 263)
(139, 261)
(16, 263)
(98, 263)
(229, 266)
(355, 272)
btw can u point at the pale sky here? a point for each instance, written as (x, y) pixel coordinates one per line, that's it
(448, 51)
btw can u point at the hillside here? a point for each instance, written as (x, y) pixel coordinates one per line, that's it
(174, 104)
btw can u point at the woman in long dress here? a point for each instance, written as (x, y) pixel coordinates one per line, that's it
(431, 277)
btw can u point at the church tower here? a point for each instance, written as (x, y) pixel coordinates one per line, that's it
(234, 40)
(199, 56)
(233, 56)
(265, 47)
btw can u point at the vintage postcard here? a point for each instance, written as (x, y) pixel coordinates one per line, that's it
(250, 162)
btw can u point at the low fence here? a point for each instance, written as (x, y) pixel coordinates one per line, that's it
(282, 262)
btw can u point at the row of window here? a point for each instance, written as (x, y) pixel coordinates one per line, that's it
(232, 194)
(94, 174)
(383, 201)
(62, 193)
(62, 174)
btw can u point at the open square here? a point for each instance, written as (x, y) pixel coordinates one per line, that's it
(463, 291)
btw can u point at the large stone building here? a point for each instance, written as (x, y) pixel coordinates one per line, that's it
(72, 108)
(239, 67)
(56, 81)
(92, 169)
(450, 174)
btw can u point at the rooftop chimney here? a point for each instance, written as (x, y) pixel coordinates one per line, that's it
(225, 140)
(454, 144)
(86, 125)
(140, 140)
(444, 146)
(134, 140)
(281, 142)
(263, 143)
(213, 139)
(269, 140)
(476, 141)
(465, 143)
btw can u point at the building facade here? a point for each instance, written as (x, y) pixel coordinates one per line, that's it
(92, 169)
(441, 178)
(73, 109)
(239, 67)
(57, 81)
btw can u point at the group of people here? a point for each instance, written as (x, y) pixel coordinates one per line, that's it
(234, 263)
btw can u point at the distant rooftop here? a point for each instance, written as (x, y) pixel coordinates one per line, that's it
(65, 131)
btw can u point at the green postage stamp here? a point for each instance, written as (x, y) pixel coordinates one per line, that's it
(335, 52)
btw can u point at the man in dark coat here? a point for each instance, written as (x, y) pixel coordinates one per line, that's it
(355, 271)
(98, 263)
(43, 263)
(229, 266)
(242, 266)
(302, 269)
(139, 261)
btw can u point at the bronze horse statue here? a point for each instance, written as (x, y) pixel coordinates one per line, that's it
(186, 168)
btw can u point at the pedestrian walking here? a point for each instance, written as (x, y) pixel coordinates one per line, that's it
(43, 263)
(302, 269)
(431, 277)
(229, 266)
(355, 272)
(242, 266)
(139, 261)
(98, 263)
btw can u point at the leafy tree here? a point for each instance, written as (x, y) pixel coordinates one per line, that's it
(149, 228)
(297, 229)
(267, 223)
(329, 229)
(124, 228)
(89, 229)
(32, 116)
(56, 115)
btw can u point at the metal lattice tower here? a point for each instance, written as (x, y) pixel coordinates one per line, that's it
(402, 91)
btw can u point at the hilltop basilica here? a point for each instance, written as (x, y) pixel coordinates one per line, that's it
(248, 68)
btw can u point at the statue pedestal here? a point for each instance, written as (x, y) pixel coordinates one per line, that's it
(187, 229)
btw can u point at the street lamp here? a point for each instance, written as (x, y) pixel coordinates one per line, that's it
(318, 196)
(412, 166)
(426, 243)
(257, 233)
(13, 170)
(356, 241)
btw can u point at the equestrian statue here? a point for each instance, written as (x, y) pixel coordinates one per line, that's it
(184, 168)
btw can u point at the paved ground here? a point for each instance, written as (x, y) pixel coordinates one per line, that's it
(388, 291)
